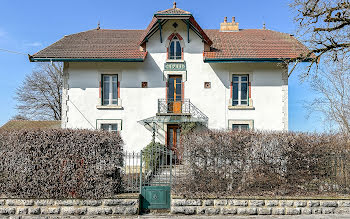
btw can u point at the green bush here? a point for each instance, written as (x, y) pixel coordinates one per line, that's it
(264, 163)
(60, 164)
(151, 155)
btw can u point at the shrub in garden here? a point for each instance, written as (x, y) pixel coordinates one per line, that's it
(151, 155)
(264, 163)
(60, 164)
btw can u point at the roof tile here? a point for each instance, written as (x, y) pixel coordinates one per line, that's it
(173, 11)
(253, 43)
(110, 44)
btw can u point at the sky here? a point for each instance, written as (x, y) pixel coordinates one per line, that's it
(29, 26)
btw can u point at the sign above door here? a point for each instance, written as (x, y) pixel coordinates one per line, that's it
(175, 66)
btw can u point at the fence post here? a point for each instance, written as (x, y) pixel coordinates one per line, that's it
(171, 166)
(140, 171)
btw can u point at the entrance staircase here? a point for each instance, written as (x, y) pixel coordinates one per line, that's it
(168, 173)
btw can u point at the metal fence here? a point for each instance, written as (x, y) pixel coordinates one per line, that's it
(131, 172)
(158, 165)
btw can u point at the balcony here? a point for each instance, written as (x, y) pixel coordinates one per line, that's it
(184, 107)
(170, 111)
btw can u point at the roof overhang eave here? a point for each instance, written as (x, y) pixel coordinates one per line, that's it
(245, 60)
(34, 59)
(171, 119)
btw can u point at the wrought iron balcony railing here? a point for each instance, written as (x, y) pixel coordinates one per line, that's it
(180, 107)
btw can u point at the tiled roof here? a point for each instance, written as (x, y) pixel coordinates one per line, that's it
(96, 44)
(149, 27)
(29, 124)
(176, 11)
(253, 44)
(124, 44)
(206, 38)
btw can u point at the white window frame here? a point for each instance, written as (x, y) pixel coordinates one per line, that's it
(175, 47)
(248, 122)
(110, 127)
(240, 126)
(100, 122)
(110, 96)
(240, 89)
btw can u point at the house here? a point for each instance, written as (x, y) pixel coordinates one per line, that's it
(139, 82)
(30, 124)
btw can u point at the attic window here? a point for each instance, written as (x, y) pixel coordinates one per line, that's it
(175, 25)
(175, 51)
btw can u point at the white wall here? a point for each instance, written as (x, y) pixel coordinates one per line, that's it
(140, 103)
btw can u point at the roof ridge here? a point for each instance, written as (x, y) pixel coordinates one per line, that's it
(122, 29)
(251, 29)
(172, 10)
(79, 33)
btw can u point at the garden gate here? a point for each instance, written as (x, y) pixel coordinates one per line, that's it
(156, 165)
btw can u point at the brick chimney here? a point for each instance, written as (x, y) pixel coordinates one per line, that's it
(229, 27)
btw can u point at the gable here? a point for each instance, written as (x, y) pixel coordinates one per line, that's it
(160, 39)
(162, 17)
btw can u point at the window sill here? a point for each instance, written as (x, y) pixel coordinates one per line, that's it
(241, 107)
(175, 60)
(110, 107)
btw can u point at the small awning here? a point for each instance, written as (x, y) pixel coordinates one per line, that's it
(171, 119)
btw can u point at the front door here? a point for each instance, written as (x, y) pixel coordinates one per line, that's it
(174, 99)
(173, 138)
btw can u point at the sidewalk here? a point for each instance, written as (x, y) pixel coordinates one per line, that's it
(315, 216)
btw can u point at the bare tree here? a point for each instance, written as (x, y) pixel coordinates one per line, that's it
(331, 85)
(19, 117)
(39, 97)
(324, 25)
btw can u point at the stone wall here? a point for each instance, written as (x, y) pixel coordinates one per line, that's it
(130, 206)
(258, 207)
(69, 207)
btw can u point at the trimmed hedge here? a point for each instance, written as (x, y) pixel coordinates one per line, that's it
(264, 163)
(59, 163)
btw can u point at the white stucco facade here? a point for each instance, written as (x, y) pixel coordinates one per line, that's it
(268, 108)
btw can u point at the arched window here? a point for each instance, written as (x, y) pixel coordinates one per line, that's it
(175, 50)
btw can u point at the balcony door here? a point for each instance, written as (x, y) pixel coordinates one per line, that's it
(174, 99)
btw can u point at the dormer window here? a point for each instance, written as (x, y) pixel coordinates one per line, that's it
(175, 51)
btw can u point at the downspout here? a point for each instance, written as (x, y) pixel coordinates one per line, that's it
(160, 31)
(188, 31)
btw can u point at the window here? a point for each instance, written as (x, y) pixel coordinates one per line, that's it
(240, 90)
(234, 124)
(240, 127)
(110, 89)
(110, 127)
(175, 50)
